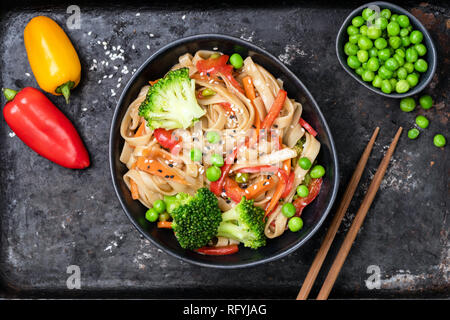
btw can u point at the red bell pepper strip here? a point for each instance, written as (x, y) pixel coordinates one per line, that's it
(218, 251)
(216, 187)
(314, 189)
(307, 127)
(289, 185)
(212, 66)
(44, 128)
(233, 191)
(166, 138)
(275, 109)
(227, 107)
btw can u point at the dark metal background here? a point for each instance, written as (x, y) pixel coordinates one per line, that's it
(51, 217)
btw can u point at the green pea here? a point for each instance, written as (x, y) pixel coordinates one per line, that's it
(288, 210)
(350, 49)
(213, 137)
(354, 38)
(295, 224)
(411, 55)
(391, 64)
(365, 43)
(196, 155)
(380, 43)
(385, 13)
(362, 55)
(405, 41)
(374, 32)
(351, 30)
(413, 133)
(317, 171)
(402, 86)
(400, 52)
(395, 42)
(159, 205)
(377, 81)
(382, 23)
(426, 102)
(368, 76)
(164, 216)
(409, 67)
(353, 62)
(393, 82)
(404, 32)
(151, 215)
(213, 173)
(367, 13)
(384, 72)
(407, 104)
(359, 71)
(422, 122)
(421, 65)
(386, 86)
(413, 79)
(399, 59)
(208, 92)
(217, 160)
(416, 37)
(393, 28)
(373, 64)
(364, 66)
(304, 163)
(302, 191)
(402, 73)
(403, 21)
(236, 61)
(384, 54)
(215, 55)
(373, 52)
(358, 21)
(439, 140)
(421, 49)
(241, 177)
(394, 17)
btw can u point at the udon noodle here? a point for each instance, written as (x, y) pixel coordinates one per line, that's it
(228, 111)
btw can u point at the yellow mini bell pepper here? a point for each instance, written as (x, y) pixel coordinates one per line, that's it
(53, 59)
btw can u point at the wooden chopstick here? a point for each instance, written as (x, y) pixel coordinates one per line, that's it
(335, 223)
(358, 221)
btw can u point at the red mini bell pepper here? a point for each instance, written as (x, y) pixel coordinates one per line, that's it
(44, 128)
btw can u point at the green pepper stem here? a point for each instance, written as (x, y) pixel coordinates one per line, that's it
(65, 90)
(9, 93)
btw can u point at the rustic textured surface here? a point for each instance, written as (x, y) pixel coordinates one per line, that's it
(51, 217)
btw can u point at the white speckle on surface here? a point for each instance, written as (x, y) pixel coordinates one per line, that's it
(291, 51)
(108, 248)
(113, 93)
(183, 17)
(138, 14)
(133, 47)
(148, 47)
(99, 81)
(248, 38)
(27, 74)
(84, 109)
(12, 134)
(89, 33)
(151, 35)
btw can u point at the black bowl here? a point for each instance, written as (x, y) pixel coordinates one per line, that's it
(430, 57)
(313, 216)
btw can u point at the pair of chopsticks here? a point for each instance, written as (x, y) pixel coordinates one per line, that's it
(356, 225)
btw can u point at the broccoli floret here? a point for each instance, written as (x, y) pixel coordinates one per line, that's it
(195, 218)
(171, 102)
(244, 223)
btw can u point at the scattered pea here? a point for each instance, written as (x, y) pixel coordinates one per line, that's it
(159, 205)
(413, 133)
(213, 137)
(317, 171)
(213, 173)
(407, 104)
(164, 216)
(426, 102)
(422, 122)
(304, 163)
(217, 160)
(439, 140)
(302, 191)
(196, 155)
(241, 177)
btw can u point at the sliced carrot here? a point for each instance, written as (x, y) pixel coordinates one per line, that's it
(275, 109)
(249, 88)
(152, 83)
(140, 130)
(158, 169)
(134, 190)
(164, 224)
(276, 196)
(258, 188)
